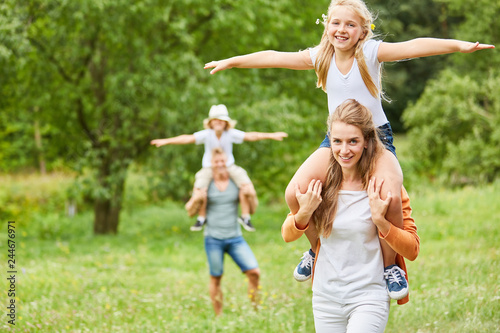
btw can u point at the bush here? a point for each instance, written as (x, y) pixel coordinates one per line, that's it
(454, 129)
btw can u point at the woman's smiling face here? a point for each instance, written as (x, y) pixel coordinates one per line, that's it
(347, 143)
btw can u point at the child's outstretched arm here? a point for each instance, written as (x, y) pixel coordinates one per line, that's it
(183, 139)
(257, 136)
(425, 47)
(265, 59)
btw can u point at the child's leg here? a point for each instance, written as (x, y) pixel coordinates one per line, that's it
(202, 180)
(197, 200)
(247, 195)
(248, 204)
(388, 168)
(248, 199)
(315, 167)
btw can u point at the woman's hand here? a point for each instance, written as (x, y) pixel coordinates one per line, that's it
(310, 200)
(378, 207)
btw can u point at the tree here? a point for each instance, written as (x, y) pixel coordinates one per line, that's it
(107, 77)
(105, 71)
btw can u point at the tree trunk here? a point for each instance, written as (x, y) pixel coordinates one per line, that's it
(107, 209)
(106, 216)
(38, 144)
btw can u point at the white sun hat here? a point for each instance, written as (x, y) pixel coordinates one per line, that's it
(219, 112)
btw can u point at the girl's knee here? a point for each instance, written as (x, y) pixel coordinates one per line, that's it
(291, 199)
(248, 190)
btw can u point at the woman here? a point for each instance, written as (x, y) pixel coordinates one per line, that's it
(349, 290)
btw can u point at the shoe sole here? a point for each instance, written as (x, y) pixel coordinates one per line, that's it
(247, 228)
(195, 228)
(300, 277)
(399, 295)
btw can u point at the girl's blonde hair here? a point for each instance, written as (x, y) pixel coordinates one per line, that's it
(350, 112)
(326, 49)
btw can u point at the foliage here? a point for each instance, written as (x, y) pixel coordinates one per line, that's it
(455, 128)
(99, 79)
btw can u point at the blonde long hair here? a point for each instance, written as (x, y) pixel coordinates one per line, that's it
(326, 49)
(350, 112)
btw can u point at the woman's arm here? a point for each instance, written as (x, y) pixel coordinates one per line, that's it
(265, 59)
(295, 225)
(425, 47)
(257, 136)
(403, 241)
(176, 140)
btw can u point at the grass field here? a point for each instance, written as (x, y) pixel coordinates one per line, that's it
(152, 276)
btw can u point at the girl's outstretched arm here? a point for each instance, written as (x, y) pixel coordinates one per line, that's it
(183, 139)
(257, 136)
(265, 59)
(425, 47)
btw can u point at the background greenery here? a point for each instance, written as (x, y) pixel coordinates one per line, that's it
(86, 84)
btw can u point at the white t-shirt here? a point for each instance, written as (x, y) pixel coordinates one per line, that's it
(210, 140)
(340, 87)
(349, 265)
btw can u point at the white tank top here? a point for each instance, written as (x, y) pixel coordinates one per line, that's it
(349, 265)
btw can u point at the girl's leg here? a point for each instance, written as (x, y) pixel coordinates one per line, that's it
(389, 170)
(248, 199)
(202, 179)
(315, 167)
(247, 195)
(248, 204)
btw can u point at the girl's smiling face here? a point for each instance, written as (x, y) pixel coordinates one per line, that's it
(218, 125)
(344, 28)
(348, 145)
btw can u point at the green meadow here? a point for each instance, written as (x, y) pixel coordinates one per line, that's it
(153, 277)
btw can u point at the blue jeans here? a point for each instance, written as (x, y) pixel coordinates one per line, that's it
(384, 133)
(236, 247)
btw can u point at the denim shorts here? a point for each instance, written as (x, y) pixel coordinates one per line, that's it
(384, 133)
(236, 247)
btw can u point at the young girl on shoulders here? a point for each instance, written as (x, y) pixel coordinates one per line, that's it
(220, 132)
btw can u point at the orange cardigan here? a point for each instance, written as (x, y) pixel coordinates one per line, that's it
(404, 241)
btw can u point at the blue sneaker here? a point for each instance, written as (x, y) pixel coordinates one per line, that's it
(396, 284)
(303, 270)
